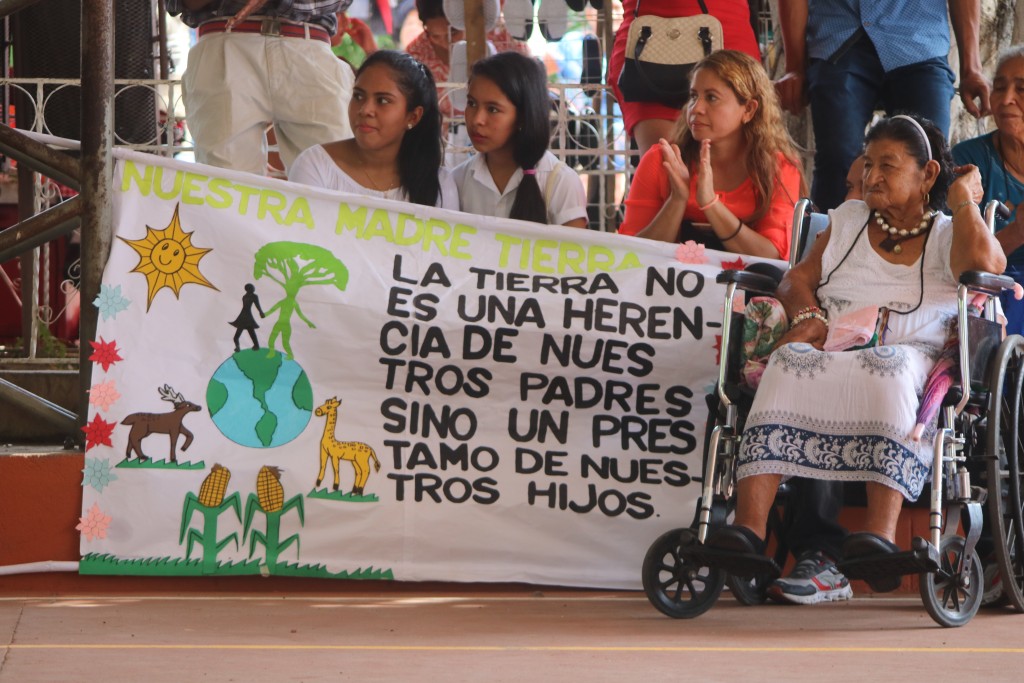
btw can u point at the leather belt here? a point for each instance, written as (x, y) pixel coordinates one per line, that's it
(268, 26)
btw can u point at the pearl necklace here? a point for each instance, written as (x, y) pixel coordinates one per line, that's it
(897, 235)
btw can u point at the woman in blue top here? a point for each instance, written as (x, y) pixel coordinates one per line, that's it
(999, 156)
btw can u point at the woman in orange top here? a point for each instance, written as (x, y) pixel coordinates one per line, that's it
(731, 176)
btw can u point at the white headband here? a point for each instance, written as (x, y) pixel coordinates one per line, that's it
(920, 129)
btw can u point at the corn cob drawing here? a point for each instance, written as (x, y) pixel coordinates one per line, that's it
(211, 491)
(211, 504)
(269, 488)
(269, 499)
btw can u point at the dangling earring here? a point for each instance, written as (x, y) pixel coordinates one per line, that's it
(927, 199)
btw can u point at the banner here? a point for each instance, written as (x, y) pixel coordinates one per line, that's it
(291, 381)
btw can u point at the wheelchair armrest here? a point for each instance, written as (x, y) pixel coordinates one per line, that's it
(757, 283)
(986, 282)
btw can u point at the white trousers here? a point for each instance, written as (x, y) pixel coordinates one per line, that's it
(236, 84)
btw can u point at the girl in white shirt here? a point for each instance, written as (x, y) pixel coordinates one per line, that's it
(396, 152)
(514, 175)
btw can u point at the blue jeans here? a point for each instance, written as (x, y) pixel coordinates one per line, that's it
(844, 93)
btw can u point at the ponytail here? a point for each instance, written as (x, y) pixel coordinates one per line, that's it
(523, 82)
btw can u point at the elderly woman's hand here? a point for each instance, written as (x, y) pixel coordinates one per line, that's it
(813, 332)
(678, 174)
(967, 187)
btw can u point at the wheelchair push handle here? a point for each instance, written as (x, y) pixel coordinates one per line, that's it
(749, 281)
(995, 209)
(988, 283)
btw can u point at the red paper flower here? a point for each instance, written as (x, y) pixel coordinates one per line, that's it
(718, 349)
(738, 264)
(104, 353)
(97, 432)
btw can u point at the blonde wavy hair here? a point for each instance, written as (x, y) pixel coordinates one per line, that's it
(765, 134)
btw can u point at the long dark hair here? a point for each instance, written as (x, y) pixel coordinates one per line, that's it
(420, 154)
(765, 134)
(901, 130)
(523, 81)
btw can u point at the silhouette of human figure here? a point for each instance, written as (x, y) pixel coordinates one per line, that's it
(245, 321)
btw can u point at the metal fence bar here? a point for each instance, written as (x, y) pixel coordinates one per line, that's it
(51, 163)
(38, 406)
(37, 230)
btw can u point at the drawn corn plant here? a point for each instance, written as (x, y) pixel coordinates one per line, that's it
(211, 504)
(269, 499)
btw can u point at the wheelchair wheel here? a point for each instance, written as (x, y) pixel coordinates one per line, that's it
(675, 587)
(749, 592)
(1005, 450)
(952, 596)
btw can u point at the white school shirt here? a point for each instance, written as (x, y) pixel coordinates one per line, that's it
(566, 199)
(315, 167)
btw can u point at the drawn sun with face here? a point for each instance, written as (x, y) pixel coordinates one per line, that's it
(168, 259)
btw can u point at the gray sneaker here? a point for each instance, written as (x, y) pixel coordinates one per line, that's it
(814, 579)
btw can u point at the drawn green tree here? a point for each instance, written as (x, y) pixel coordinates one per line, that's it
(294, 265)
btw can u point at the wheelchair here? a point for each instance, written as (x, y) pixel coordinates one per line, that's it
(977, 482)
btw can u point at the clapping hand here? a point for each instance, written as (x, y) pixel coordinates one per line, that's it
(705, 176)
(678, 174)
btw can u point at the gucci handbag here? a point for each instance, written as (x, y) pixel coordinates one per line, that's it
(660, 52)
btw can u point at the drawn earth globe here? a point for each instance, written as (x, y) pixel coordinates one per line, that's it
(260, 399)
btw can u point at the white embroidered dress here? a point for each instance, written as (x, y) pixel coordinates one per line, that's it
(848, 415)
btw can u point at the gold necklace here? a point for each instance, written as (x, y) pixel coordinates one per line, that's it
(374, 185)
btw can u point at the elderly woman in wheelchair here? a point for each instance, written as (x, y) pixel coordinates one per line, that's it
(870, 309)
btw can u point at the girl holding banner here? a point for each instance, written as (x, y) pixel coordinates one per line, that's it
(514, 175)
(396, 152)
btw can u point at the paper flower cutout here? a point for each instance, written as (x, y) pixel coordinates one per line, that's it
(738, 264)
(110, 302)
(718, 349)
(97, 432)
(104, 353)
(103, 395)
(94, 524)
(691, 252)
(97, 473)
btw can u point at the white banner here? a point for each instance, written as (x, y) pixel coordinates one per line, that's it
(435, 396)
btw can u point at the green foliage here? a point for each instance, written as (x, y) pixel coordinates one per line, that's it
(47, 345)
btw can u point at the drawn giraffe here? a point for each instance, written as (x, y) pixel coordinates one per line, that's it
(356, 452)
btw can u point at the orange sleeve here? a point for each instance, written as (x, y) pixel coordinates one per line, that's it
(647, 193)
(777, 224)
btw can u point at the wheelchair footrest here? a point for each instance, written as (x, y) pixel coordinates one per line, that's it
(742, 565)
(923, 558)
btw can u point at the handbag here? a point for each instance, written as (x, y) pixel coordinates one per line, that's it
(661, 52)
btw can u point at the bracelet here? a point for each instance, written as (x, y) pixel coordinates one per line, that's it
(966, 202)
(709, 204)
(808, 313)
(739, 226)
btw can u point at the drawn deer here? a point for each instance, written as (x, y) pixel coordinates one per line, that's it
(144, 424)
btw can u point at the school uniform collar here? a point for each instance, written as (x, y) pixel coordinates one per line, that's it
(480, 173)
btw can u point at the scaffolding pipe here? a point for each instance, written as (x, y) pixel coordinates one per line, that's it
(38, 406)
(44, 567)
(51, 163)
(97, 172)
(30, 233)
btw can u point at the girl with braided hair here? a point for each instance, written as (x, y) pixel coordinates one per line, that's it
(513, 175)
